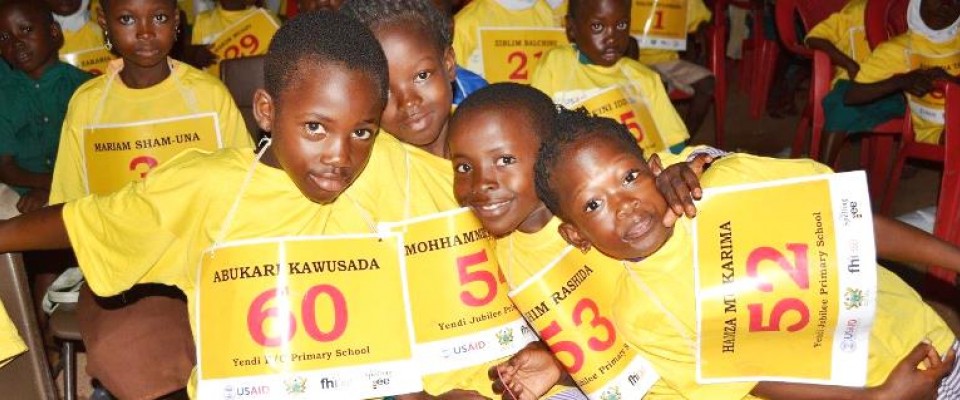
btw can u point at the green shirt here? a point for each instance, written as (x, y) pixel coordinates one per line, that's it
(32, 115)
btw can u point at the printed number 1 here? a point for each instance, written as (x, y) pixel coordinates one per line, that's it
(797, 272)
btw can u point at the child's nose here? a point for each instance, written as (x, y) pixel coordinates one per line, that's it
(145, 30)
(484, 179)
(407, 97)
(627, 207)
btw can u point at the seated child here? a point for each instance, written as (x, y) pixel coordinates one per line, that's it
(306, 181)
(683, 75)
(35, 100)
(494, 13)
(494, 136)
(80, 31)
(210, 24)
(843, 38)
(912, 62)
(603, 191)
(595, 64)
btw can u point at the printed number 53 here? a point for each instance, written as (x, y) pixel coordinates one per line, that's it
(573, 349)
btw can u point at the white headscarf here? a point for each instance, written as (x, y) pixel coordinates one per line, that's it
(517, 5)
(75, 21)
(917, 24)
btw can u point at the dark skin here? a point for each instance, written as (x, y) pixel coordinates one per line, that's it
(143, 33)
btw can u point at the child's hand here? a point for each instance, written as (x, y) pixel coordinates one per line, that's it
(527, 375)
(455, 394)
(909, 382)
(199, 56)
(852, 68)
(921, 81)
(680, 185)
(33, 200)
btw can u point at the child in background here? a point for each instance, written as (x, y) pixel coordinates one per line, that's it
(136, 100)
(912, 62)
(595, 64)
(318, 5)
(80, 31)
(494, 13)
(210, 24)
(684, 75)
(843, 38)
(589, 176)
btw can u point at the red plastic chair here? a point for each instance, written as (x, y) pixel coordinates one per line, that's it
(947, 224)
(716, 41)
(811, 13)
(759, 57)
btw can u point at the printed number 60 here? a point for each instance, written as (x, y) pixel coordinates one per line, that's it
(257, 316)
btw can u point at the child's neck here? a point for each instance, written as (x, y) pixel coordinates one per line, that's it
(38, 73)
(233, 5)
(537, 220)
(439, 146)
(136, 77)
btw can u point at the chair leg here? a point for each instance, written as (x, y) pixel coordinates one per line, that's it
(800, 139)
(70, 370)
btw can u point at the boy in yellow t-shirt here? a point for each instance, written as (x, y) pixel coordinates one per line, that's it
(595, 64)
(603, 191)
(306, 181)
(683, 75)
(495, 13)
(912, 62)
(843, 38)
(211, 23)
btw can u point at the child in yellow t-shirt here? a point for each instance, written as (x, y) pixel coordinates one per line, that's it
(603, 190)
(495, 13)
(843, 38)
(80, 31)
(210, 24)
(683, 75)
(306, 181)
(912, 62)
(595, 64)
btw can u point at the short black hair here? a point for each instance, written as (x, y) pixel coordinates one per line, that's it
(573, 6)
(573, 126)
(323, 38)
(32, 6)
(538, 107)
(410, 14)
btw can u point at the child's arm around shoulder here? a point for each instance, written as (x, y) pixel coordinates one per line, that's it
(42, 229)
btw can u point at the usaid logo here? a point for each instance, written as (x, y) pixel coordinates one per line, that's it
(463, 349)
(231, 392)
(849, 342)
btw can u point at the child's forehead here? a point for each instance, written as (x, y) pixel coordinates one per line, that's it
(33, 13)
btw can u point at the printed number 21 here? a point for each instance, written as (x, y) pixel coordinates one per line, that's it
(520, 72)
(797, 273)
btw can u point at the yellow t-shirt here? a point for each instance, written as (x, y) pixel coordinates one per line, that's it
(559, 11)
(902, 319)
(90, 36)
(697, 13)
(121, 104)
(11, 344)
(491, 13)
(906, 53)
(209, 24)
(845, 29)
(563, 77)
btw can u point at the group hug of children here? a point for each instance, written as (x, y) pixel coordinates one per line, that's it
(147, 172)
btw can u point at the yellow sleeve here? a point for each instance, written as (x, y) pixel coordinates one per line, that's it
(465, 34)
(669, 123)
(543, 75)
(139, 234)
(68, 181)
(11, 344)
(832, 29)
(888, 59)
(201, 27)
(740, 168)
(697, 13)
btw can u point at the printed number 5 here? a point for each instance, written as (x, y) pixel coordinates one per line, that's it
(485, 277)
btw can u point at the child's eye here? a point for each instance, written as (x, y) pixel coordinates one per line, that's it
(592, 205)
(363, 134)
(4, 36)
(314, 128)
(631, 176)
(595, 27)
(422, 76)
(161, 18)
(506, 160)
(125, 20)
(622, 25)
(26, 29)
(462, 168)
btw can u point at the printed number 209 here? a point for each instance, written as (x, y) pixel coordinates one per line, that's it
(247, 46)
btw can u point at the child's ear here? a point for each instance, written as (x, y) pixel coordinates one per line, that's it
(572, 235)
(57, 34)
(656, 167)
(102, 20)
(568, 26)
(263, 110)
(450, 63)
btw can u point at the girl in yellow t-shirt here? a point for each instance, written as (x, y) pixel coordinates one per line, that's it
(80, 31)
(211, 24)
(142, 111)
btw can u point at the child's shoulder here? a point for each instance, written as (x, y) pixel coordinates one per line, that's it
(195, 78)
(740, 168)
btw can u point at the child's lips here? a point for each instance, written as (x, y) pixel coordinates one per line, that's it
(490, 209)
(417, 121)
(329, 181)
(638, 229)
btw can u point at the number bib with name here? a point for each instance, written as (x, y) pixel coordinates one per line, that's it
(570, 303)
(461, 313)
(631, 111)
(93, 60)
(930, 107)
(247, 37)
(117, 154)
(660, 24)
(321, 317)
(786, 270)
(511, 54)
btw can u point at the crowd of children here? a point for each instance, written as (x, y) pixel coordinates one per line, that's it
(120, 144)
